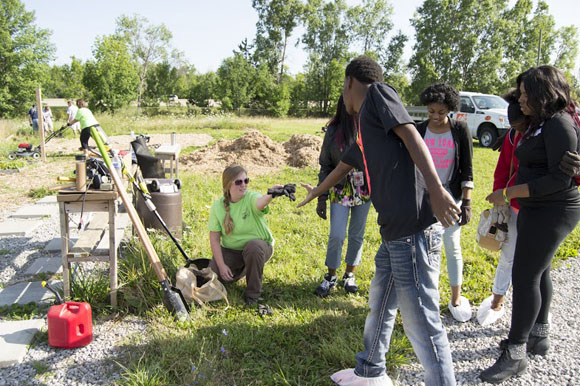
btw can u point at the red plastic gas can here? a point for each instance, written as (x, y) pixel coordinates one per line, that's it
(70, 325)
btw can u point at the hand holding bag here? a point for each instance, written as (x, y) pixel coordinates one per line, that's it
(491, 235)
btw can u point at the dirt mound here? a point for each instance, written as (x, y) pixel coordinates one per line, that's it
(255, 151)
(303, 150)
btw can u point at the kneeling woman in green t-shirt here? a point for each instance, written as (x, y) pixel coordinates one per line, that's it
(240, 240)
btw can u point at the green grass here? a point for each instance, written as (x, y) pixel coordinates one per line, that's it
(307, 338)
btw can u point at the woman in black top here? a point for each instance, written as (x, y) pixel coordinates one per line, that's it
(350, 197)
(549, 210)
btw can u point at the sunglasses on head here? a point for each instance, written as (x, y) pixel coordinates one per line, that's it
(245, 181)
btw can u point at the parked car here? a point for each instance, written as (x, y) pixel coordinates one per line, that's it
(485, 115)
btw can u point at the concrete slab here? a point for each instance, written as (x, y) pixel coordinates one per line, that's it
(15, 336)
(54, 244)
(18, 227)
(35, 211)
(122, 221)
(24, 293)
(47, 200)
(103, 246)
(45, 265)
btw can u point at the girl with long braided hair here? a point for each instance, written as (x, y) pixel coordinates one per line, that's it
(240, 239)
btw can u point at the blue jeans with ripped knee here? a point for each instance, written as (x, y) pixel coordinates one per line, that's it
(407, 278)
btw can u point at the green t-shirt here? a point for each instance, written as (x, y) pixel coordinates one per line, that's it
(249, 222)
(85, 118)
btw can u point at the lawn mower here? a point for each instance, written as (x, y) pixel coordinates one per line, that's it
(28, 150)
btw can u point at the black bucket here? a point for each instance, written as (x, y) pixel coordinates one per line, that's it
(167, 198)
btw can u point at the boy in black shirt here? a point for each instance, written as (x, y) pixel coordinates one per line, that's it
(407, 263)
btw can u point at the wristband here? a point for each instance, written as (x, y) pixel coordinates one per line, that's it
(505, 197)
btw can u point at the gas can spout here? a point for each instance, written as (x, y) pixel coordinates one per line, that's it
(51, 289)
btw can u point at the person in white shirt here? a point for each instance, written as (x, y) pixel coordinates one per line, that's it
(71, 111)
(47, 119)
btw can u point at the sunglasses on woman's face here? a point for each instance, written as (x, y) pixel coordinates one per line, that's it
(245, 181)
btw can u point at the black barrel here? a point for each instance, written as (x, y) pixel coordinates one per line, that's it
(166, 195)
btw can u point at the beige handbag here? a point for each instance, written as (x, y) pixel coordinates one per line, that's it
(489, 234)
(200, 285)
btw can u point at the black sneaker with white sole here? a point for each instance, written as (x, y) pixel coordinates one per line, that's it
(349, 283)
(327, 285)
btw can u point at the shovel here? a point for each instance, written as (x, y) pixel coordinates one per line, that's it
(172, 298)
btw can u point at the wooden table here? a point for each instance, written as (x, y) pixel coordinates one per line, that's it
(104, 206)
(171, 153)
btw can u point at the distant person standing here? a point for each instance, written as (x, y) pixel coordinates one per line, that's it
(47, 119)
(71, 112)
(33, 117)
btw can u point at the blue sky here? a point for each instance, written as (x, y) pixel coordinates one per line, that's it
(206, 31)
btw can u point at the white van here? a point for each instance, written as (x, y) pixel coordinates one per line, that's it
(485, 115)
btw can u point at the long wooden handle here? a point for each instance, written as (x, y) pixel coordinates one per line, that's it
(139, 227)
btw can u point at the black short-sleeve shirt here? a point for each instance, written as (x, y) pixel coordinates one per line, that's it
(403, 208)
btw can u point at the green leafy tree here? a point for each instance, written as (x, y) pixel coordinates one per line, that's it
(460, 42)
(112, 77)
(24, 51)
(65, 81)
(235, 82)
(298, 96)
(147, 43)
(394, 67)
(276, 21)
(326, 39)
(202, 89)
(164, 80)
(566, 50)
(369, 24)
(487, 45)
(268, 96)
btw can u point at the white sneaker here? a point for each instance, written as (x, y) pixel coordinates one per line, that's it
(461, 313)
(486, 315)
(349, 378)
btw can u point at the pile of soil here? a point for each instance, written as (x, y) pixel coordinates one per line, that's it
(303, 150)
(256, 152)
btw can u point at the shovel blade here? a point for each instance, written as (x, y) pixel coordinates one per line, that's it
(174, 302)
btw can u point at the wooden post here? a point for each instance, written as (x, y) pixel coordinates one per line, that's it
(40, 123)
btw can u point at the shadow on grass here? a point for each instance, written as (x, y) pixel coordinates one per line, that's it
(289, 347)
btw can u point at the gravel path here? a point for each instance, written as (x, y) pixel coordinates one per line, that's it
(475, 348)
(94, 364)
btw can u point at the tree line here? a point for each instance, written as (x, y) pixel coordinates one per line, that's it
(475, 45)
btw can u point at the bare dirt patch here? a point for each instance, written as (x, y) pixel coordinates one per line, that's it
(253, 150)
(123, 142)
(256, 152)
(14, 188)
